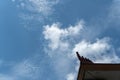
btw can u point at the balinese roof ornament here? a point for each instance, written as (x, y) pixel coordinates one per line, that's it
(83, 59)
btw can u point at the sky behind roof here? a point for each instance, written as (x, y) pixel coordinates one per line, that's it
(39, 38)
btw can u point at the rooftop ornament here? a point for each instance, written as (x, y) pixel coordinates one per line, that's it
(83, 59)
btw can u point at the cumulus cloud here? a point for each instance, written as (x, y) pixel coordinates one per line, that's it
(98, 50)
(59, 46)
(84, 47)
(57, 36)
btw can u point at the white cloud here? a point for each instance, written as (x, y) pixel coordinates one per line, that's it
(45, 7)
(86, 48)
(100, 51)
(59, 46)
(40, 9)
(56, 35)
(35, 12)
(59, 42)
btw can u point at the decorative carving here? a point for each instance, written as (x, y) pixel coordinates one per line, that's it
(82, 59)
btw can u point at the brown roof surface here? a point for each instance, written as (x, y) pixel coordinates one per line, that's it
(97, 71)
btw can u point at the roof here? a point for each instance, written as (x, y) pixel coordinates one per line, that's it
(102, 75)
(97, 71)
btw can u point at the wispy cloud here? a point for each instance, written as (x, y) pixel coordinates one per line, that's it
(6, 77)
(44, 7)
(113, 16)
(114, 13)
(38, 9)
(23, 70)
(36, 12)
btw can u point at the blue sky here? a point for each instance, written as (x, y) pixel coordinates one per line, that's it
(39, 38)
